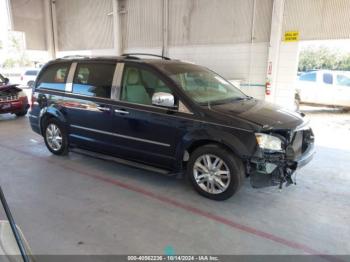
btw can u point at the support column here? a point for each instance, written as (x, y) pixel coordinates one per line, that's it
(5, 23)
(51, 41)
(165, 27)
(9, 20)
(274, 48)
(117, 32)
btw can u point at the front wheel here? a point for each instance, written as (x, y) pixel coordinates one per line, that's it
(215, 172)
(55, 137)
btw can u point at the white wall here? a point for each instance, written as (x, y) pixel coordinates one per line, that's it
(93, 52)
(286, 74)
(230, 61)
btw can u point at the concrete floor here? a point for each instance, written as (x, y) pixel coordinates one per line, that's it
(80, 205)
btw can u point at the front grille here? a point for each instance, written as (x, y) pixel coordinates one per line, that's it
(301, 141)
(8, 98)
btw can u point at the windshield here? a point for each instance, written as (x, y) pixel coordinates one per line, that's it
(2, 79)
(202, 85)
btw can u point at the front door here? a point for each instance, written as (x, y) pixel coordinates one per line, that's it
(341, 93)
(308, 87)
(325, 91)
(148, 133)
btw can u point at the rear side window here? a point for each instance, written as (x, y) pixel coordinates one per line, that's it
(328, 78)
(311, 77)
(94, 79)
(31, 73)
(54, 77)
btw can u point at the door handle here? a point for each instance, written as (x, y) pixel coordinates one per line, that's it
(102, 108)
(121, 111)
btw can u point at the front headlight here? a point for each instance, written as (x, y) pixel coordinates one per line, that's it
(268, 142)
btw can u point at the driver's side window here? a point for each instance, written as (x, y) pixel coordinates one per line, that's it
(139, 86)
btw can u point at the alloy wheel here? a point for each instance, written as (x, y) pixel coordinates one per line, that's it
(54, 137)
(211, 174)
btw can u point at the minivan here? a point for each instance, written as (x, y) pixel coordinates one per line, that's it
(171, 117)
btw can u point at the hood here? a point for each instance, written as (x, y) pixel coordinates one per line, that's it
(4, 88)
(258, 112)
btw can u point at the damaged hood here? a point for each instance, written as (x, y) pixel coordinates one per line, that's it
(258, 112)
(4, 88)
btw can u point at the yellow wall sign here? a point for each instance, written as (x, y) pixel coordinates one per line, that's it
(291, 36)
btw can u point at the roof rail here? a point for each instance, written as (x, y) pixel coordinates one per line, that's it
(74, 56)
(134, 55)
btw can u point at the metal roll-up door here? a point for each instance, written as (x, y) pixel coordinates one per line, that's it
(84, 24)
(142, 24)
(193, 22)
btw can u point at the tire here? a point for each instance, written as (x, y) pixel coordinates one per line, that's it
(297, 101)
(230, 172)
(297, 104)
(22, 113)
(30, 84)
(55, 136)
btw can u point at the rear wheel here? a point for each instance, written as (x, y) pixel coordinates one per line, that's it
(30, 84)
(215, 172)
(297, 102)
(55, 137)
(22, 113)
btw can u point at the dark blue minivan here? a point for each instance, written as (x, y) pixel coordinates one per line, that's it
(168, 116)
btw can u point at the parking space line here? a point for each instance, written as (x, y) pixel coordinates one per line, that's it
(191, 209)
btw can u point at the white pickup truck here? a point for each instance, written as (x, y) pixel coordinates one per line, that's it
(324, 87)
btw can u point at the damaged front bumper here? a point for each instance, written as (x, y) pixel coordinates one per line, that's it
(277, 168)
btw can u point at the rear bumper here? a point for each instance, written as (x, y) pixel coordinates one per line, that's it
(34, 123)
(13, 107)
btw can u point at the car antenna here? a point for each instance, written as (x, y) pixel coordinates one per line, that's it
(14, 227)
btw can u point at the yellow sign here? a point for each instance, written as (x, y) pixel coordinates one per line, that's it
(291, 36)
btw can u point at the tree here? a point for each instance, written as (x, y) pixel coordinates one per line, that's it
(344, 64)
(323, 58)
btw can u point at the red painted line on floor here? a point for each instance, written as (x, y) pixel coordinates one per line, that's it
(189, 208)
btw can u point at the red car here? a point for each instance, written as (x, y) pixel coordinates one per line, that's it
(12, 99)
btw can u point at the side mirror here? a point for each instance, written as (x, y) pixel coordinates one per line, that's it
(163, 99)
(6, 81)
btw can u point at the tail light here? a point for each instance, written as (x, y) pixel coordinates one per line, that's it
(23, 97)
(33, 101)
(268, 88)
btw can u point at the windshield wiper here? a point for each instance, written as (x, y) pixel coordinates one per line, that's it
(243, 98)
(225, 101)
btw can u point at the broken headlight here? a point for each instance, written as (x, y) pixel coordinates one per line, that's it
(268, 142)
